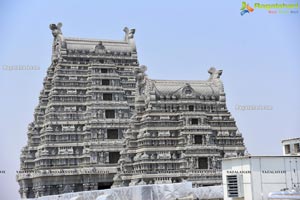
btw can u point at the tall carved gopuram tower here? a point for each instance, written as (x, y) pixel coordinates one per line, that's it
(98, 104)
(180, 132)
(84, 108)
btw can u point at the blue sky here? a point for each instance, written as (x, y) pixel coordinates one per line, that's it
(258, 52)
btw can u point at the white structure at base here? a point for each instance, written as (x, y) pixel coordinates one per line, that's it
(173, 191)
(291, 147)
(255, 177)
(293, 194)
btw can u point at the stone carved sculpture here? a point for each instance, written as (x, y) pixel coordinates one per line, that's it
(58, 41)
(129, 37)
(153, 157)
(100, 48)
(214, 162)
(147, 134)
(141, 79)
(207, 138)
(31, 126)
(214, 73)
(137, 157)
(192, 163)
(174, 156)
(101, 157)
(56, 29)
(145, 156)
(189, 139)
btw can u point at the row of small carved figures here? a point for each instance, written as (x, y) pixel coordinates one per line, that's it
(98, 52)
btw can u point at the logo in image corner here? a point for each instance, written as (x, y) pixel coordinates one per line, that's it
(246, 8)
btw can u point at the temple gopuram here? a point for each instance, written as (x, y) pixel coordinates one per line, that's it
(101, 123)
(180, 132)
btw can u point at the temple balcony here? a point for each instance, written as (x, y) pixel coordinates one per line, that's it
(70, 84)
(57, 141)
(229, 128)
(107, 142)
(29, 160)
(94, 55)
(157, 174)
(106, 87)
(156, 145)
(208, 181)
(83, 73)
(161, 124)
(96, 75)
(200, 172)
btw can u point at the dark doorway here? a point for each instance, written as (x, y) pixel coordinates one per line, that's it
(114, 157)
(104, 71)
(107, 97)
(194, 121)
(198, 139)
(109, 114)
(202, 163)
(103, 186)
(105, 82)
(191, 108)
(112, 133)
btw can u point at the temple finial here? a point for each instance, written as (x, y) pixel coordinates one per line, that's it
(56, 29)
(214, 73)
(129, 37)
(129, 33)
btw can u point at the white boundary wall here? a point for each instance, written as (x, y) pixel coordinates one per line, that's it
(257, 176)
(144, 192)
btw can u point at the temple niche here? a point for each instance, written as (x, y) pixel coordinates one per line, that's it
(101, 122)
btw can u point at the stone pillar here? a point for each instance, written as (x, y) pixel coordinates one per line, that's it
(72, 186)
(60, 188)
(23, 192)
(209, 160)
(120, 133)
(48, 190)
(101, 157)
(106, 157)
(86, 186)
(94, 186)
(43, 190)
(116, 97)
(207, 139)
(35, 192)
